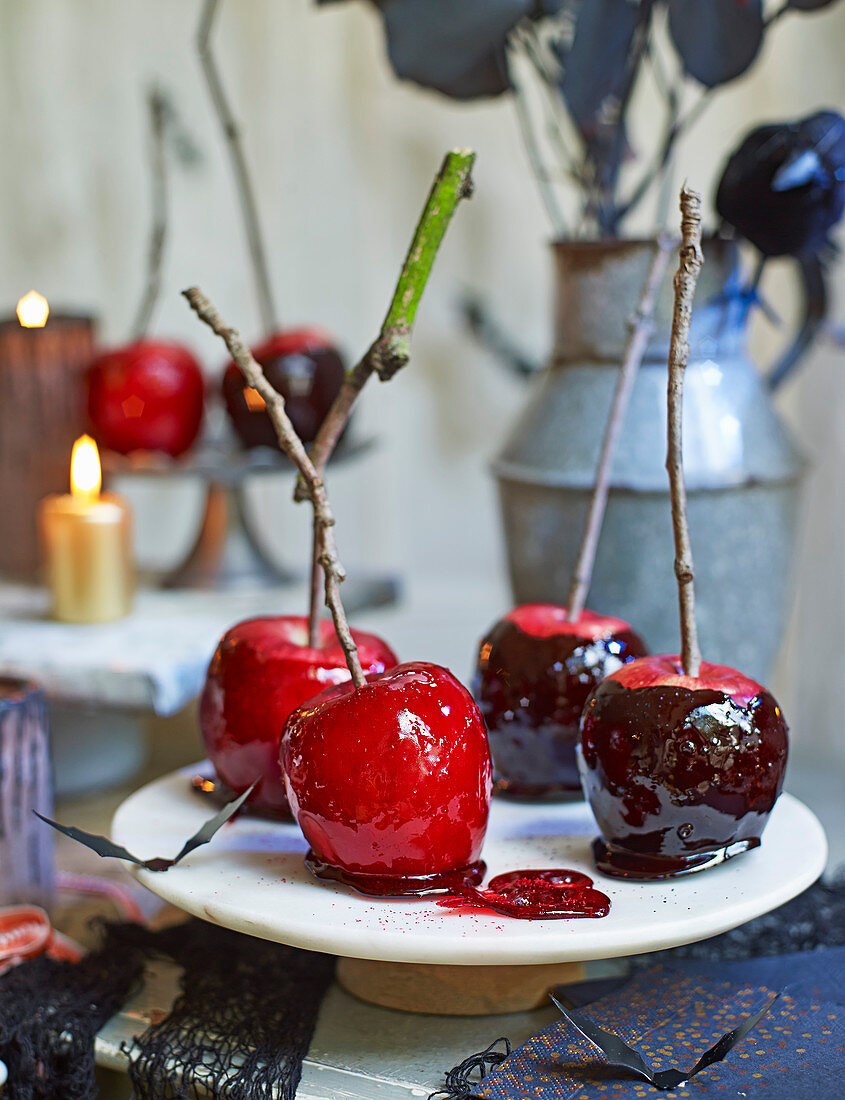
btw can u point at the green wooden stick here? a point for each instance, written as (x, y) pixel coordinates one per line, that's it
(390, 351)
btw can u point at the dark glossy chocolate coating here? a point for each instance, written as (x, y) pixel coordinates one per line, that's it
(677, 778)
(308, 380)
(531, 691)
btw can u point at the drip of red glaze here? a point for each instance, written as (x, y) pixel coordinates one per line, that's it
(549, 894)
(398, 886)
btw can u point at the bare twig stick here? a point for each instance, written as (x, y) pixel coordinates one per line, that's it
(315, 601)
(158, 233)
(294, 448)
(685, 279)
(243, 185)
(390, 351)
(640, 329)
(535, 157)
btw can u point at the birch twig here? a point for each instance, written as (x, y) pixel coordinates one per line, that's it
(641, 327)
(691, 260)
(292, 445)
(243, 184)
(390, 351)
(158, 232)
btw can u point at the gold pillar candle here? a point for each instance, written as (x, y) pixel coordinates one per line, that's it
(86, 536)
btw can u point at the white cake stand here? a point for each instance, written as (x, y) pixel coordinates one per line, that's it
(251, 878)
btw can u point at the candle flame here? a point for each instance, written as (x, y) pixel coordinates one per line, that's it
(33, 310)
(85, 472)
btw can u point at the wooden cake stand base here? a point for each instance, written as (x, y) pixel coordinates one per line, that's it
(410, 953)
(454, 990)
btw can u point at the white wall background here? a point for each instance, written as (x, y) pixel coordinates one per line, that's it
(342, 158)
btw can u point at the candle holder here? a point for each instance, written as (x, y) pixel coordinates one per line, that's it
(41, 413)
(26, 847)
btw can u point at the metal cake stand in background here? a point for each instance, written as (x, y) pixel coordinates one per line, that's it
(228, 551)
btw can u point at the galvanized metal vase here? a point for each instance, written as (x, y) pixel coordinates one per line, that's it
(743, 472)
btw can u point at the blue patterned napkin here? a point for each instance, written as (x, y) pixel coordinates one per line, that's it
(673, 1012)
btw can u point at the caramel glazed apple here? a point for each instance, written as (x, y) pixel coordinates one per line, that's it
(390, 782)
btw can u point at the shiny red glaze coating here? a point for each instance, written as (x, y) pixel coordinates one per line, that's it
(146, 396)
(665, 670)
(534, 673)
(261, 670)
(551, 894)
(392, 778)
(679, 776)
(398, 886)
(306, 369)
(548, 620)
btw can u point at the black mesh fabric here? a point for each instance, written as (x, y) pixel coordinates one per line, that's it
(50, 1012)
(241, 1022)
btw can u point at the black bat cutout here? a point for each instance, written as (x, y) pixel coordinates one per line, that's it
(108, 849)
(618, 1053)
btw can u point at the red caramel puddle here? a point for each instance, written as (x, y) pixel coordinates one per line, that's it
(398, 886)
(550, 894)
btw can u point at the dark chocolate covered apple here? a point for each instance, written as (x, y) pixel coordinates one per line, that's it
(539, 663)
(261, 670)
(682, 760)
(680, 771)
(391, 781)
(304, 366)
(535, 671)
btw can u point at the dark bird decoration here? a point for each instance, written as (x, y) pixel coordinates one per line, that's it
(784, 187)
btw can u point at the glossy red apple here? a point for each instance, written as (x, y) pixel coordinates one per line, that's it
(261, 670)
(681, 772)
(390, 781)
(305, 367)
(534, 672)
(146, 396)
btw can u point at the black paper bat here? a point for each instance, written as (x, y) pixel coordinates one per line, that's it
(618, 1053)
(107, 848)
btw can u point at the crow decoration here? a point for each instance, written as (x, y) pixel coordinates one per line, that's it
(783, 189)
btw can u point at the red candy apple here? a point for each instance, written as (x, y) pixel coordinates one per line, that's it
(146, 396)
(305, 367)
(392, 780)
(681, 771)
(535, 670)
(261, 670)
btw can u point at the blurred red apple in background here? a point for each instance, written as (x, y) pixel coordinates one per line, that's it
(306, 369)
(146, 396)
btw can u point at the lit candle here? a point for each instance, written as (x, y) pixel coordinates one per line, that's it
(44, 353)
(86, 537)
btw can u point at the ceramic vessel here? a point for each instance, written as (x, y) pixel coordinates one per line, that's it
(743, 472)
